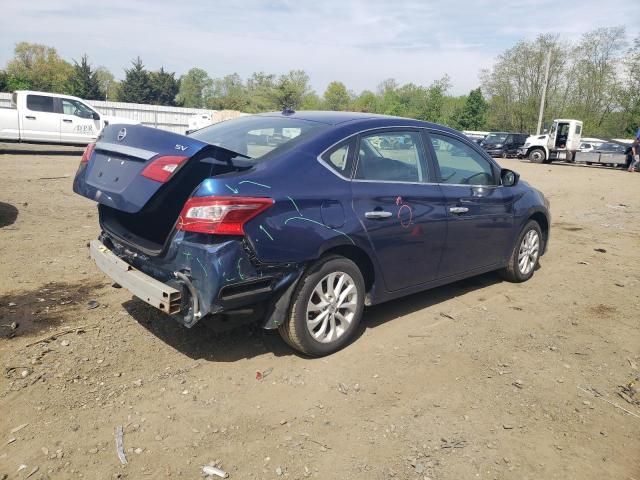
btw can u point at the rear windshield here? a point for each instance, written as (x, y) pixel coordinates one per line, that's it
(255, 136)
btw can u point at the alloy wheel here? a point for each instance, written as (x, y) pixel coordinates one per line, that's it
(331, 307)
(529, 251)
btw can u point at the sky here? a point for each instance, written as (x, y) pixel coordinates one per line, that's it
(359, 42)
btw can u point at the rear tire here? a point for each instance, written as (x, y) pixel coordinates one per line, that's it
(326, 307)
(525, 255)
(537, 155)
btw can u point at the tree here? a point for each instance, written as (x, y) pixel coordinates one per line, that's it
(38, 67)
(4, 81)
(164, 87)
(515, 83)
(136, 86)
(292, 89)
(472, 115)
(107, 84)
(261, 90)
(83, 82)
(366, 102)
(629, 91)
(193, 86)
(336, 97)
(593, 77)
(228, 93)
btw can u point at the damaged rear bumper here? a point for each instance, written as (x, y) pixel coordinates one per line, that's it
(192, 279)
(155, 293)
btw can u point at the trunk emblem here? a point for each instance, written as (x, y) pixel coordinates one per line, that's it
(121, 134)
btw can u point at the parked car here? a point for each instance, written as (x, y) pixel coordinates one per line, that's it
(40, 117)
(586, 147)
(311, 230)
(610, 154)
(503, 144)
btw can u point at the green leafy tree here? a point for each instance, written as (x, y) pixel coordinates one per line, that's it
(193, 86)
(4, 81)
(228, 93)
(38, 67)
(629, 92)
(366, 102)
(164, 87)
(292, 89)
(83, 82)
(472, 114)
(261, 90)
(107, 83)
(336, 97)
(136, 86)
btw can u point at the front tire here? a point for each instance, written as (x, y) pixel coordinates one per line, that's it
(525, 255)
(537, 155)
(326, 307)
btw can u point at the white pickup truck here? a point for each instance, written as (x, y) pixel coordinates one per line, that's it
(39, 117)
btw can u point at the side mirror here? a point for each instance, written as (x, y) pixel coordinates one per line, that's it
(508, 178)
(96, 116)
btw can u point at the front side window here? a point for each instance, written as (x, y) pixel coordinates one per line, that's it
(392, 157)
(459, 163)
(40, 103)
(76, 108)
(256, 136)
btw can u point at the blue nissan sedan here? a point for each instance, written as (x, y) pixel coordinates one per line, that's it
(306, 217)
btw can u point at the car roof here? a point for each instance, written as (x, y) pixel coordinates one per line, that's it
(365, 120)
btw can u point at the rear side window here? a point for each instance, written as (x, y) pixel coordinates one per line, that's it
(339, 158)
(39, 103)
(391, 156)
(459, 163)
(578, 129)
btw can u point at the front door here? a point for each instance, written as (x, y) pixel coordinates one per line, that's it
(39, 121)
(77, 124)
(479, 215)
(401, 211)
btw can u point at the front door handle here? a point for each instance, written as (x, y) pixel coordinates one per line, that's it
(458, 210)
(377, 214)
(30, 117)
(66, 120)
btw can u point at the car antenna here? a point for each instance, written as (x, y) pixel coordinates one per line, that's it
(288, 111)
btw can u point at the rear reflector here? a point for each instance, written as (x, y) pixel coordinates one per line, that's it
(87, 153)
(162, 168)
(220, 215)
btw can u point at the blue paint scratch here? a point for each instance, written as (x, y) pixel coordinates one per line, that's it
(254, 183)
(321, 224)
(239, 272)
(203, 269)
(234, 190)
(295, 205)
(266, 233)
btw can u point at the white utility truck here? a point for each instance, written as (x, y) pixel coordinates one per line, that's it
(561, 143)
(39, 117)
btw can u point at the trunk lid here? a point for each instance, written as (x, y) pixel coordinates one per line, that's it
(113, 176)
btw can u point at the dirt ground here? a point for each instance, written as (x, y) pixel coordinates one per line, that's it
(479, 379)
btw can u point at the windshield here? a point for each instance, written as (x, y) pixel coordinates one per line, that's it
(255, 136)
(495, 138)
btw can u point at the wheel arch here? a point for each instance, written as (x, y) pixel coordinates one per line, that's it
(541, 219)
(358, 256)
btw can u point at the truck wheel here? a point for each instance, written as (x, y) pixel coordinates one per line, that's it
(537, 155)
(504, 154)
(326, 307)
(525, 255)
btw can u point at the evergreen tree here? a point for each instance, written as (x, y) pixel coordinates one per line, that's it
(164, 87)
(472, 114)
(83, 82)
(136, 86)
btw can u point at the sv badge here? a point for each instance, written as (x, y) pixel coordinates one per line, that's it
(182, 148)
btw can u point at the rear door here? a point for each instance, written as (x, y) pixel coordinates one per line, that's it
(77, 124)
(40, 122)
(399, 206)
(479, 212)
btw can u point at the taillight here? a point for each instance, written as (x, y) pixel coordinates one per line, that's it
(162, 168)
(220, 215)
(87, 153)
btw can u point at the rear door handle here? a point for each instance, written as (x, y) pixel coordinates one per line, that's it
(377, 214)
(30, 117)
(458, 210)
(66, 120)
